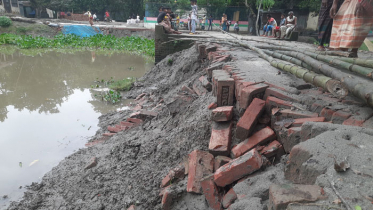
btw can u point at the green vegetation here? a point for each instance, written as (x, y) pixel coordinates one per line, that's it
(170, 61)
(110, 96)
(5, 21)
(123, 85)
(135, 44)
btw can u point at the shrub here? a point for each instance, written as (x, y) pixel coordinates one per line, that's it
(5, 21)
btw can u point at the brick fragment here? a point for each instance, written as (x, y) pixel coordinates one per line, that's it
(135, 121)
(205, 83)
(360, 117)
(114, 129)
(299, 122)
(128, 124)
(251, 92)
(273, 149)
(132, 207)
(339, 116)
(213, 67)
(202, 51)
(293, 138)
(140, 96)
(259, 138)
(221, 137)
(198, 88)
(225, 91)
(220, 161)
(288, 113)
(273, 102)
(239, 85)
(187, 90)
(108, 134)
(327, 113)
(279, 94)
(211, 192)
(237, 168)
(229, 198)
(167, 198)
(143, 114)
(201, 164)
(222, 114)
(280, 196)
(317, 107)
(248, 121)
(212, 105)
(173, 175)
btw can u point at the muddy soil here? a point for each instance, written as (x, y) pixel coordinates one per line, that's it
(132, 163)
(34, 29)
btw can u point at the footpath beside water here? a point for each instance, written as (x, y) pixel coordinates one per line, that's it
(216, 126)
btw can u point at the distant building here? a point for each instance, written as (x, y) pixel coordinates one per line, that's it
(9, 6)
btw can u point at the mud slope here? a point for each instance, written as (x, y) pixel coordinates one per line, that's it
(131, 164)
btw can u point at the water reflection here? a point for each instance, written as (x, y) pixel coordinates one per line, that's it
(47, 109)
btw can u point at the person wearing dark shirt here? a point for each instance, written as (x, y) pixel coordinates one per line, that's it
(160, 17)
(210, 23)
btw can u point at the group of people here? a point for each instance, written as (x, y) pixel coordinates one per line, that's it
(168, 20)
(344, 24)
(225, 24)
(93, 17)
(287, 25)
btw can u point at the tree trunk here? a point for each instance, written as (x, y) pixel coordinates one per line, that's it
(257, 18)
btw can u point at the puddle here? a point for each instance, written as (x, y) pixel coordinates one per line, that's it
(48, 111)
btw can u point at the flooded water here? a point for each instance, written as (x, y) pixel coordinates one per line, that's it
(48, 109)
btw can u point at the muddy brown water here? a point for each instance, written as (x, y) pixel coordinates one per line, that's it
(48, 109)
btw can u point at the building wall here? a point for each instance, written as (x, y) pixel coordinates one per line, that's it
(15, 9)
(312, 21)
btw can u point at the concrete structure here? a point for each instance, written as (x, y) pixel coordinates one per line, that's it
(9, 6)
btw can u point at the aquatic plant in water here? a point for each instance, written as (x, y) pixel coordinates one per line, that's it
(136, 44)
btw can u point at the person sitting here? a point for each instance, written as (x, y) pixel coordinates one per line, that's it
(277, 29)
(167, 25)
(271, 23)
(236, 27)
(290, 24)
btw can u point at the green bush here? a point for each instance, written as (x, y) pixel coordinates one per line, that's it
(5, 21)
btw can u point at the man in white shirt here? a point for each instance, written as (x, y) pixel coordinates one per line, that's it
(194, 16)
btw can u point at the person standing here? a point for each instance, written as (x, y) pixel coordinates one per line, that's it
(224, 22)
(351, 24)
(107, 16)
(203, 22)
(228, 24)
(210, 22)
(90, 17)
(236, 27)
(194, 16)
(177, 22)
(325, 24)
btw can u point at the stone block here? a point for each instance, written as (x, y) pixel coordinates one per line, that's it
(229, 198)
(250, 92)
(237, 168)
(201, 164)
(220, 161)
(280, 196)
(249, 119)
(222, 114)
(259, 138)
(211, 192)
(221, 137)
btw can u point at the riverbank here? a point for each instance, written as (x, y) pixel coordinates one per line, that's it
(134, 150)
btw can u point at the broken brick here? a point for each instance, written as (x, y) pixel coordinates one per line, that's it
(293, 138)
(317, 107)
(288, 113)
(212, 105)
(187, 90)
(201, 164)
(211, 192)
(167, 199)
(108, 134)
(363, 114)
(339, 116)
(239, 85)
(273, 149)
(211, 68)
(237, 168)
(128, 124)
(273, 102)
(229, 198)
(222, 114)
(140, 96)
(280, 196)
(135, 121)
(327, 113)
(279, 94)
(174, 174)
(205, 83)
(259, 138)
(221, 137)
(248, 121)
(132, 207)
(368, 123)
(220, 161)
(251, 92)
(198, 88)
(300, 121)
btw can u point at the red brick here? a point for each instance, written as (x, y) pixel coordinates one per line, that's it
(352, 121)
(251, 92)
(278, 94)
(288, 113)
(239, 85)
(137, 107)
(238, 168)
(221, 137)
(272, 149)
(300, 121)
(174, 174)
(205, 83)
(274, 86)
(327, 113)
(249, 119)
(198, 88)
(220, 161)
(114, 129)
(201, 164)
(97, 141)
(108, 134)
(187, 90)
(135, 121)
(202, 51)
(211, 68)
(280, 196)
(311, 92)
(222, 114)
(358, 119)
(140, 96)
(339, 116)
(212, 105)
(229, 198)
(211, 192)
(132, 207)
(167, 199)
(273, 102)
(317, 107)
(225, 92)
(259, 138)
(128, 124)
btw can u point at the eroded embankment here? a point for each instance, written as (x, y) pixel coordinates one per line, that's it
(170, 138)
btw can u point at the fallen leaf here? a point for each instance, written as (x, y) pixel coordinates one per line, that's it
(358, 208)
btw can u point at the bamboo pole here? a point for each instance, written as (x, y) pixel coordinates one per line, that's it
(333, 86)
(358, 61)
(361, 89)
(332, 53)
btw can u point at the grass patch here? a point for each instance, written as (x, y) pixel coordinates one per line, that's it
(364, 47)
(123, 85)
